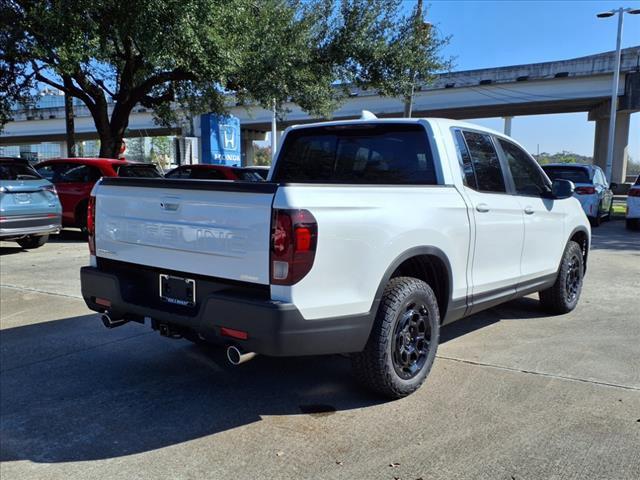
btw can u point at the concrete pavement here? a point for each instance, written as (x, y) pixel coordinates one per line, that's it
(514, 393)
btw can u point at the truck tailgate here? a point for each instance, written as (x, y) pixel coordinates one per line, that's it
(213, 228)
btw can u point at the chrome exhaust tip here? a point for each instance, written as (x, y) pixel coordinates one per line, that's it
(237, 356)
(109, 322)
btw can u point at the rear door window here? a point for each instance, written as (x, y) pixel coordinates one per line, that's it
(486, 163)
(75, 173)
(180, 172)
(145, 171)
(392, 154)
(207, 174)
(17, 171)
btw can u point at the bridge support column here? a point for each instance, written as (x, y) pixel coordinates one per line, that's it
(507, 125)
(248, 149)
(621, 141)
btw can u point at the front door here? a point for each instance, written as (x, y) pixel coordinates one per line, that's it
(543, 216)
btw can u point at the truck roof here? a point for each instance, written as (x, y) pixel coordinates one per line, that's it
(444, 122)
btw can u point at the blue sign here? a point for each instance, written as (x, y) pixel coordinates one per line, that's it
(220, 136)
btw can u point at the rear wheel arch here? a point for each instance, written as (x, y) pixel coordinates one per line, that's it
(427, 263)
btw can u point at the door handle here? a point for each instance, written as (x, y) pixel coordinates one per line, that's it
(482, 207)
(528, 210)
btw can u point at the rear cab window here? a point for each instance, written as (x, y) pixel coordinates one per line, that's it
(377, 153)
(575, 174)
(18, 171)
(144, 171)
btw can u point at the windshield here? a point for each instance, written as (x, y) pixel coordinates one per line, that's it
(17, 171)
(575, 174)
(149, 171)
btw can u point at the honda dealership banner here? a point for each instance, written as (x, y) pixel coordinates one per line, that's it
(220, 139)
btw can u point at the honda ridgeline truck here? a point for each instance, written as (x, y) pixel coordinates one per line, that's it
(368, 236)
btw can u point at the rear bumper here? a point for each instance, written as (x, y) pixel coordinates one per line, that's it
(273, 328)
(22, 225)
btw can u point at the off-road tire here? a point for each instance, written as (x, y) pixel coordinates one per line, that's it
(33, 241)
(374, 367)
(563, 296)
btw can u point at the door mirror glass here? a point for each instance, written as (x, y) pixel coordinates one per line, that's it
(562, 189)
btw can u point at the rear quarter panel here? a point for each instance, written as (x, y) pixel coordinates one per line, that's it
(361, 231)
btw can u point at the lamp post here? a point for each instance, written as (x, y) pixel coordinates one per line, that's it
(616, 79)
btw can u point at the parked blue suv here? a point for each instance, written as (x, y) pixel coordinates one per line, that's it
(29, 205)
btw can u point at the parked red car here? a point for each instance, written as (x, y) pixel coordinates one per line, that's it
(213, 172)
(74, 178)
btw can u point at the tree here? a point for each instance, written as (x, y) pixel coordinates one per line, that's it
(203, 55)
(262, 156)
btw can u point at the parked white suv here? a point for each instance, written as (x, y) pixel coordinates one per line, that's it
(368, 236)
(633, 206)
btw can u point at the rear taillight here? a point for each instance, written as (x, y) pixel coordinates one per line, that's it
(585, 190)
(294, 237)
(634, 192)
(51, 189)
(91, 224)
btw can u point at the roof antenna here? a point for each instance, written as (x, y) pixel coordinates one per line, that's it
(367, 115)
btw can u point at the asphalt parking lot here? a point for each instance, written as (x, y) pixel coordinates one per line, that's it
(514, 394)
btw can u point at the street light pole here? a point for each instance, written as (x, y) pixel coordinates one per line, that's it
(614, 88)
(274, 131)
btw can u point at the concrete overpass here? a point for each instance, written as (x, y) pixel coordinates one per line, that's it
(576, 85)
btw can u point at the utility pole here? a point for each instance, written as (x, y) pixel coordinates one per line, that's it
(69, 121)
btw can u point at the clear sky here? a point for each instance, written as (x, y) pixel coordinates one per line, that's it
(500, 33)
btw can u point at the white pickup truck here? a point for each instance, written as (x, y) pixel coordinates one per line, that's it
(367, 237)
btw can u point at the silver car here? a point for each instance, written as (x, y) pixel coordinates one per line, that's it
(29, 205)
(592, 189)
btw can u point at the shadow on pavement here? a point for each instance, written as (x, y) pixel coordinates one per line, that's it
(69, 236)
(11, 250)
(614, 236)
(73, 391)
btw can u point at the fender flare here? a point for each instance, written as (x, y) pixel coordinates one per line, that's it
(451, 306)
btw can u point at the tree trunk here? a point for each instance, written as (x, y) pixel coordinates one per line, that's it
(70, 125)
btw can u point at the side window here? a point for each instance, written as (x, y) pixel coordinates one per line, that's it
(526, 176)
(179, 173)
(208, 174)
(486, 163)
(46, 171)
(75, 174)
(464, 159)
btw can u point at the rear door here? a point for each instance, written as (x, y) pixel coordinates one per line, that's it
(212, 228)
(543, 216)
(498, 216)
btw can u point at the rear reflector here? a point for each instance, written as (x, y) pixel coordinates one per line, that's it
(91, 225)
(103, 301)
(230, 332)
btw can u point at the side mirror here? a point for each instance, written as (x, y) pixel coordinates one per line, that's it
(562, 189)
(613, 185)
